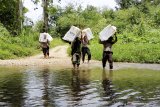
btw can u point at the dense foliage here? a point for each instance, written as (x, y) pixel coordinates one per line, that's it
(11, 15)
(138, 25)
(134, 24)
(138, 29)
(13, 47)
(26, 44)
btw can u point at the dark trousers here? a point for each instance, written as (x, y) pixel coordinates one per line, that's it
(86, 50)
(107, 56)
(45, 51)
(76, 59)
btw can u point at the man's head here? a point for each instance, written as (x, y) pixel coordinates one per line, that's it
(85, 36)
(77, 38)
(42, 30)
(110, 38)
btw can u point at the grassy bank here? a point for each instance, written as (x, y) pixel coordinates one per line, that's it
(129, 52)
(25, 44)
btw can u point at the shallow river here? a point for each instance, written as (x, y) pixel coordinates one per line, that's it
(94, 87)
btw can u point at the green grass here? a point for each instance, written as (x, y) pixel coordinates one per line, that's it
(129, 52)
(144, 53)
(56, 41)
(26, 44)
(96, 50)
(22, 45)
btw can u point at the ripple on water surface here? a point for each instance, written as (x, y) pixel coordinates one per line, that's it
(84, 87)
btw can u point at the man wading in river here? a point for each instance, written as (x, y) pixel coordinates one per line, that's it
(107, 51)
(76, 52)
(85, 48)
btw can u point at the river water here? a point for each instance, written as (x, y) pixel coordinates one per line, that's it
(93, 87)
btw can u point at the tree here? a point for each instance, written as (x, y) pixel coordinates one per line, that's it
(11, 15)
(45, 14)
(155, 2)
(45, 5)
(20, 15)
(124, 4)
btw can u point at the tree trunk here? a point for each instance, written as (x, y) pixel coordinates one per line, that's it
(45, 14)
(19, 17)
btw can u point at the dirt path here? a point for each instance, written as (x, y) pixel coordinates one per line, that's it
(59, 52)
(60, 58)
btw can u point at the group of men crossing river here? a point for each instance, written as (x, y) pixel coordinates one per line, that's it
(79, 47)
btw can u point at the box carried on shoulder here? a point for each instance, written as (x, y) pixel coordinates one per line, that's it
(88, 33)
(72, 34)
(107, 32)
(44, 37)
(49, 37)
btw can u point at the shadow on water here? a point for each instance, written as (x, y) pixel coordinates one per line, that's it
(45, 95)
(107, 83)
(83, 87)
(80, 81)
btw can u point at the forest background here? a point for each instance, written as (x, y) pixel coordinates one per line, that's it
(137, 22)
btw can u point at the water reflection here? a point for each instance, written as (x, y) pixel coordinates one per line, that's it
(45, 95)
(37, 85)
(85, 75)
(76, 88)
(75, 81)
(11, 89)
(107, 83)
(80, 86)
(46, 87)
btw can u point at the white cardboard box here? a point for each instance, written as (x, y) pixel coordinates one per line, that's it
(42, 37)
(107, 32)
(88, 32)
(72, 34)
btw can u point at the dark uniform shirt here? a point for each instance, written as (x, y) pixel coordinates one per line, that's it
(107, 45)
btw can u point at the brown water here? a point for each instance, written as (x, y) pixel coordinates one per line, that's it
(49, 87)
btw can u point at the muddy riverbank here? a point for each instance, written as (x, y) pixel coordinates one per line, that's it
(59, 58)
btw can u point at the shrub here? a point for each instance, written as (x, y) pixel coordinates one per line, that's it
(6, 55)
(3, 31)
